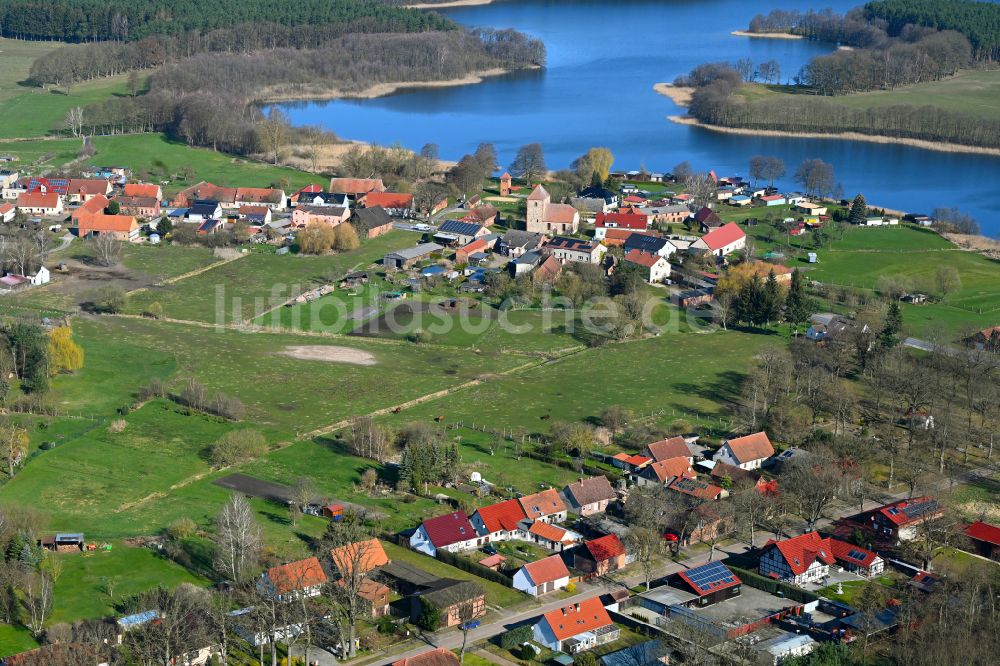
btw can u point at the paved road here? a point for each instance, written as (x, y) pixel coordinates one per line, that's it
(65, 241)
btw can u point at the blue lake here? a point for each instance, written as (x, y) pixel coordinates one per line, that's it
(603, 59)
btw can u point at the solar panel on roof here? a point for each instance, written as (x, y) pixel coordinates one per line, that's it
(710, 575)
(856, 554)
(913, 510)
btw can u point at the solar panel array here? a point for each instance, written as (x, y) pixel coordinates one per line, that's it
(915, 510)
(856, 554)
(709, 576)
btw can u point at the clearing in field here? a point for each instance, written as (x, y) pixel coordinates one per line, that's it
(329, 354)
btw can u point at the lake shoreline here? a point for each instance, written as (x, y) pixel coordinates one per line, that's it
(450, 3)
(682, 97)
(376, 90)
(766, 35)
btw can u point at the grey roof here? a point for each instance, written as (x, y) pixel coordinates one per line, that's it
(783, 644)
(650, 244)
(460, 228)
(323, 210)
(525, 239)
(564, 243)
(649, 653)
(370, 218)
(417, 251)
(448, 592)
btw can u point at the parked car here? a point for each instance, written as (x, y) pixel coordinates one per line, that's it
(490, 549)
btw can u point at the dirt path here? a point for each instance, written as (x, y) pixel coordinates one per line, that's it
(329, 354)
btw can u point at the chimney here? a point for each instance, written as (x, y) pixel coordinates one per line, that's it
(577, 606)
(564, 612)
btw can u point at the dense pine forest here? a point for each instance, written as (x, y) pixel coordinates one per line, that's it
(125, 20)
(978, 21)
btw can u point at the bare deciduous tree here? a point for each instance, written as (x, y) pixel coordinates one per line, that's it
(238, 540)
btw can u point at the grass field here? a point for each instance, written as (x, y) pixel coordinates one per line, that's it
(14, 639)
(17, 56)
(259, 282)
(40, 111)
(971, 92)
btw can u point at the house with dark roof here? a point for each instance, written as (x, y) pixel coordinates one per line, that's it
(452, 532)
(498, 522)
(371, 222)
(742, 478)
(451, 597)
(985, 538)
(457, 232)
(204, 209)
(514, 243)
(900, 520)
(710, 583)
(650, 244)
(576, 627)
(748, 452)
(546, 506)
(600, 556)
(590, 496)
(542, 576)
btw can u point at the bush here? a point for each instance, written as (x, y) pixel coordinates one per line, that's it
(511, 639)
(228, 407)
(182, 528)
(117, 426)
(47, 446)
(238, 446)
(109, 300)
(193, 394)
(154, 389)
(585, 659)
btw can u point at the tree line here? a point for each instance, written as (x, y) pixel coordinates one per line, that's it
(851, 29)
(978, 21)
(121, 20)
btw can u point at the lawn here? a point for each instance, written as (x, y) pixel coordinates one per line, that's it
(245, 289)
(291, 394)
(18, 55)
(80, 591)
(851, 589)
(38, 154)
(496, 594)
(39, 111)
(14, 639)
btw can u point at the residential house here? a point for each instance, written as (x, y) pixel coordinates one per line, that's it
(460, 233)
(666, 214)
(985, 538)
(628, 218)
(144, 190)
(547, 535)
(772, 200)
(748, 452)
(543, 216)
(395, 203)
(407, 257)
(655, 269)
(203, 210)
(725, 240)
(95, 206)
(435, 657)
(600, 556)
(807, 559)
(900, 520)
(663, 472)
(40, 277)
(305, 193)
(515, 243)
(255, 215)
(365, 555)
(630, 463)
(486, 215)
(591, 495)
(332, 215)
(697, 489)
(576, 627)
(374, 597)
(671, 447)
(548, 271)
(451, 532)
(546, 575)
(740, 200)
(324, 199)
(595, 200)
(203, 191)
(857, 559)
(145, 207)
(39, 203)
(810, 208)
(618, 237)
(7, 212)
(356, 188)
(546, 506)
(79, 190)
(451, 597)
(575, 250)
(650, 244)
(498, 522)
(274, 199)
(122, 227)
(294, 580)
(707, 219)
(371, 222)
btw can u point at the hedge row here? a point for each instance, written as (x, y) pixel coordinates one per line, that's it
(754, 579)
(511, 639)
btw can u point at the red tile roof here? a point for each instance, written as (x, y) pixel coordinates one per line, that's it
(848, 552)
(6, 208)
(605, 548)
(493, 561)
(909, 511)
(635, 459)
(367, 555)
(630, 218)
(259, 194)
(435, 657)
(800, 552)
(716, 239)
(981, 531)
(448, 529)
(542, 504)
(142, 190)
(668, 448)
(356, 185)
(538, 194)
(721, 580)
(575, 619)
(547, 532)
(372, 590)
(503, 516)
(102, 223)
(644, 259)
(751, 447)
(671, 468)
(37, 200)
(389, 200)
(296, 575)
(547, 570)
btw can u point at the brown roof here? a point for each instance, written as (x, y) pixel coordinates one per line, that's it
(591, 491)
(259, 194)
(751, 447)
(547, 570)
(644, 259)
(356, 185)
(37, 200)
(82, 186)
(549, 270)
(372, 590)
(560, 213)
(435, 657)
(735, 474)
(541, 504)
(297, 575)
(538, 194)
(671, 468)
(668, 448)
(367, 554)
(134, 201)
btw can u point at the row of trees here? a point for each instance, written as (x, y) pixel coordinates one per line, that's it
(978, 21)
(852, 29)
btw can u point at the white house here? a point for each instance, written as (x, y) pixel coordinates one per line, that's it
(655, 269)
(451, 532)
(287, 582)
(546, 506)
(725, 240)
(498, 522)
(7, 212)
(800, 560)
(41, 276)
(747, 452)
(576, 250)
(541, 577)
(576, 627)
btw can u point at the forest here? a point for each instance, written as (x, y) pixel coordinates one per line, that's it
(978, 21)
(121, 20)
